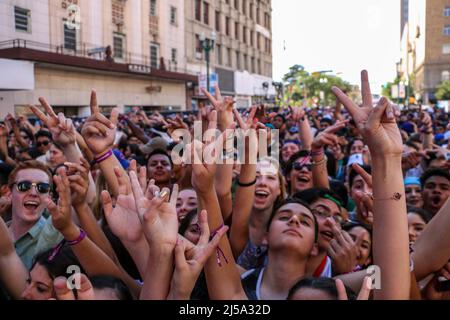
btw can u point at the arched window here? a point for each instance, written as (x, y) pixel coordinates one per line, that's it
(445, 75)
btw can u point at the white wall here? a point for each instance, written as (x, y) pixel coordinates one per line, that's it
(16, 75)
(39, 20)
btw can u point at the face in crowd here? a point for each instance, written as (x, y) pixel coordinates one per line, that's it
(300, 177)
(360, 185)
(267, 188)
(436, 191)
(57, 156)
(186, 201)
(357, 147)
(43, 144)
(288, 149)
(325, 209)
(292, 229)
(159, 168)
(29, 192)
(414, 195)
(416, 225)
(363, 241)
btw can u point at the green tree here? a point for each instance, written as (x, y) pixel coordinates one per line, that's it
(302, 85)
(443, 91)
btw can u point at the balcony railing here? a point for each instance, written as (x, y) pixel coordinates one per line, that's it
(96, 52)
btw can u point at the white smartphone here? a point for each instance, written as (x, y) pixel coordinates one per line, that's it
(355, 158)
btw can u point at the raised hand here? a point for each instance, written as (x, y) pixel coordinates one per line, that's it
(98, 131)
(297, 113)
(84, 292)
(158, 216)
(190, 258)
(342, 250)
(204, 157)
(176, 124)
(328, 136)
(364, 293)
(61, 213)
(62, 129)
(364, 201)
(123, 219)
(377, 125)
(78, 175)
(223, 106)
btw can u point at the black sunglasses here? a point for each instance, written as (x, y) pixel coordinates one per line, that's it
(299, 166)
(44, 143)
(41, 187)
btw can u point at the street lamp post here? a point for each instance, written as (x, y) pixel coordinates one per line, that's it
(207, 45)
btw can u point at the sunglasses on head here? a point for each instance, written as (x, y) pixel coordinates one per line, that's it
(43, 143)
(41, 187)
(299, 166)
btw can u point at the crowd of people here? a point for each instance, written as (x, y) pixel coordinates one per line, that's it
(356, 206)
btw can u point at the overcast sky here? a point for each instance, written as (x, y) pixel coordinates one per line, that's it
(345, 36)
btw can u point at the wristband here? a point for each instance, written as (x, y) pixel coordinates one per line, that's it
(79, 239)
(103, 157)
(219, 251)
(317, 152)
(240, 184)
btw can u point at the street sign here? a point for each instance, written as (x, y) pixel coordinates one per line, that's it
(202, 83)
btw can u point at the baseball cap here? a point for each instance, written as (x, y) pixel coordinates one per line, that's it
(412, 181)
(155, 144)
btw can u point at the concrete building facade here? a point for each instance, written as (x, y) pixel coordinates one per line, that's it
(66, 41)
(425, 46)
(242, 52)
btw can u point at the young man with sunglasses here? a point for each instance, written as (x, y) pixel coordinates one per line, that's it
(31, 183)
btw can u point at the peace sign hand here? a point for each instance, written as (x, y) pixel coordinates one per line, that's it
(98, 131)
(224, 107)
(377, 125)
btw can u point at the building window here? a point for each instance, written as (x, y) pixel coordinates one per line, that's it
(118, 46)
(447, 30)
(198, 10)
(257, 16)
(174, 55)
(252, 38)
(206, 12)
(236, 31)
(447, 11)
(218, 54)
(246, 62)
(251, 10)
(229, 62)
(154, 48)
(244, 7)
(153, 6)
(238, 60)
(173, 15)
(218, 21)
(258, 41)
(22, 18)
(198, 46)
(244, 34)
(446, 49)
(236, 4)
(227, 26)
(70, 38)
(259, 67)
(445, 75)
(253, 65)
